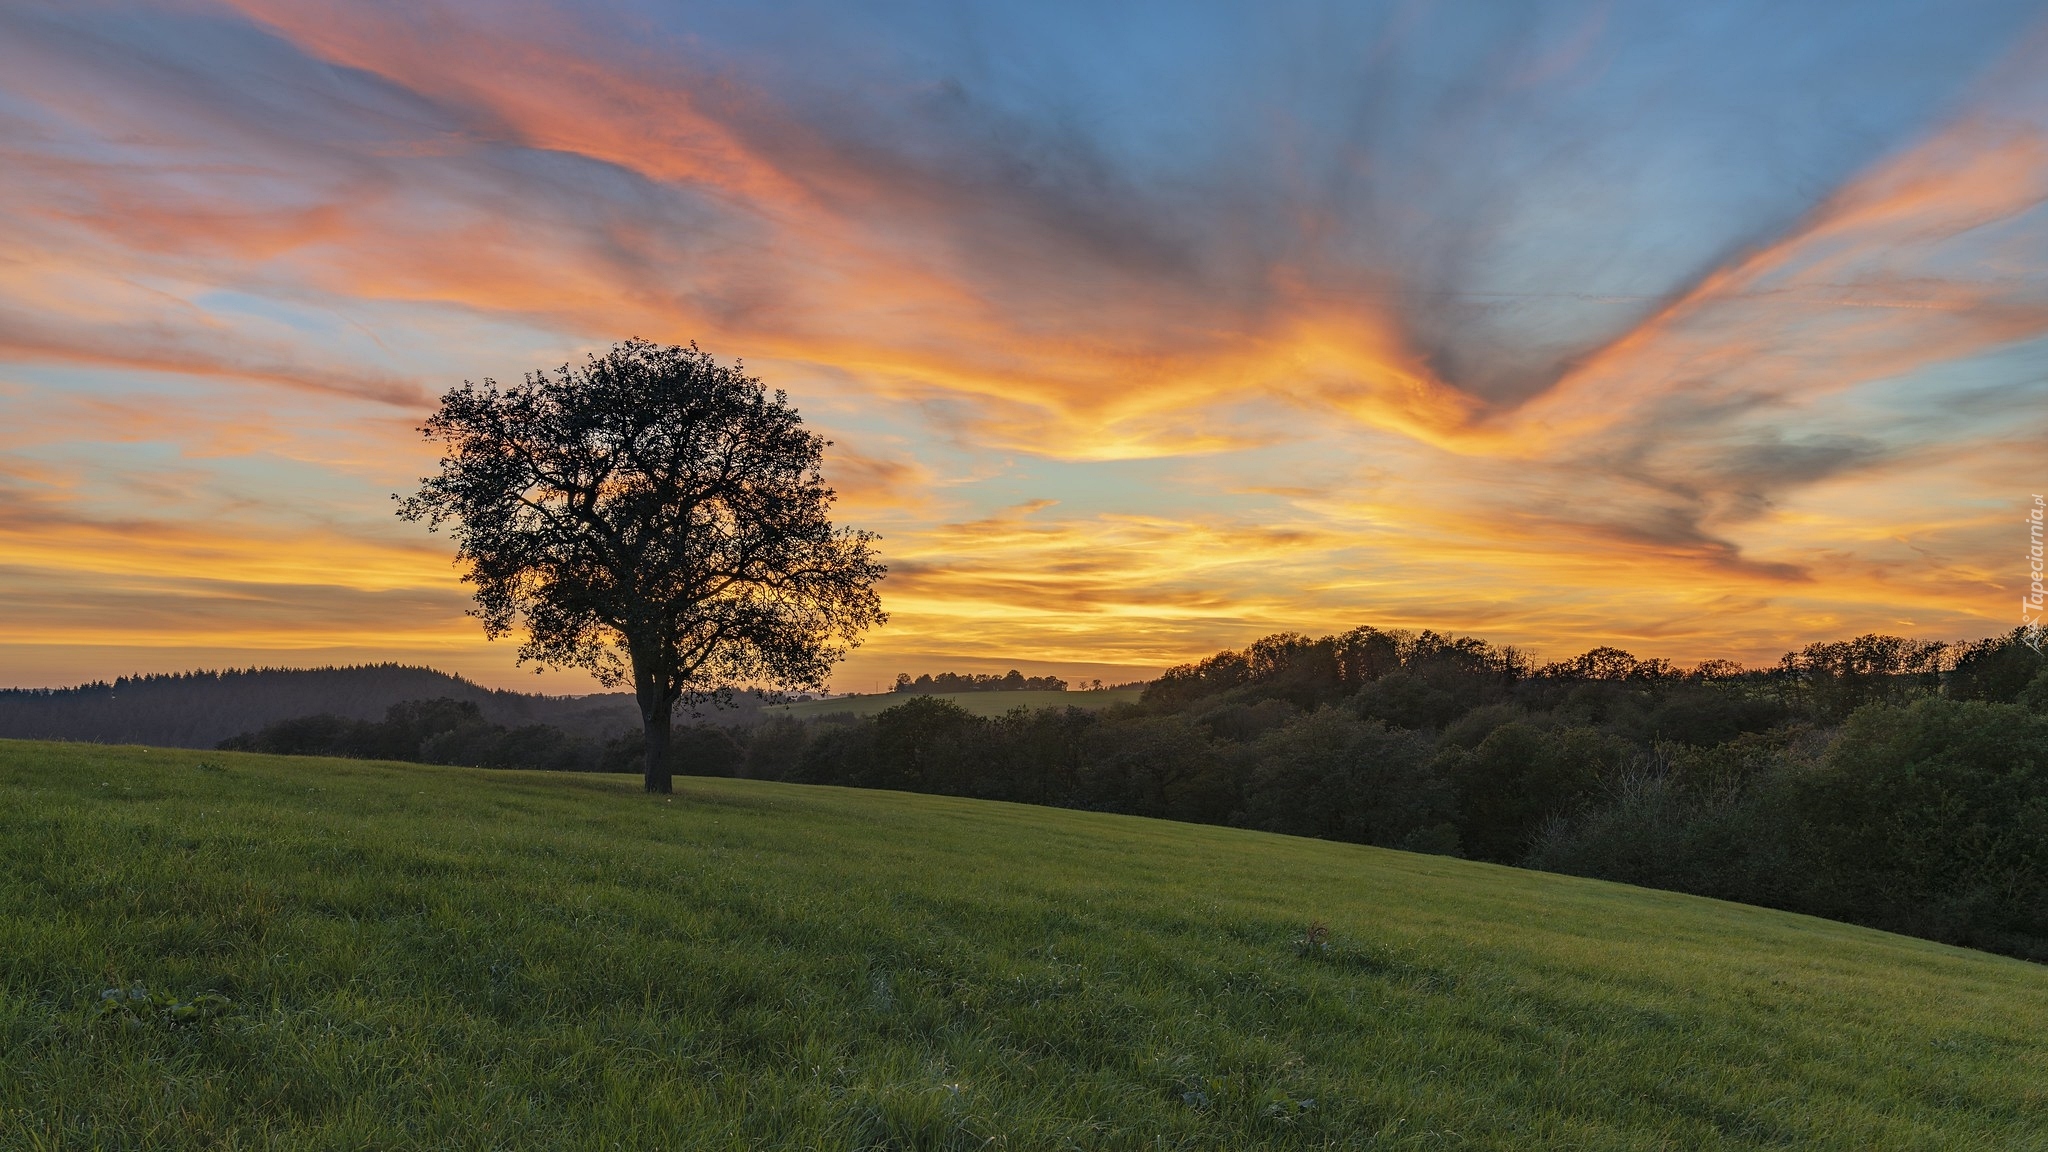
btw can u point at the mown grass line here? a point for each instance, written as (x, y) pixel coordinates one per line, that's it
(422, 957)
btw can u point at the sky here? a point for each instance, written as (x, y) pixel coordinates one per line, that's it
(1139, 330)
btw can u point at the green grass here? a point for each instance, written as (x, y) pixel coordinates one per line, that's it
(444, 958)
(978, 703)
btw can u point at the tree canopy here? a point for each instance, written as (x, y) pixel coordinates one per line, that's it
(656, 518)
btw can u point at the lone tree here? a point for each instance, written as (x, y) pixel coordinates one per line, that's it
(650, 516)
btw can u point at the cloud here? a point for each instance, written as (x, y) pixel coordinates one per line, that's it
(1932, 257)
(1866, 288)
(181, 350)
(1519, 320)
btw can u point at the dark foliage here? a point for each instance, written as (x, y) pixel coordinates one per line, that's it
(1442, 672)
(200, 709)
(698, 749)
(1522, 776)
(1877, 780)
(1334, 776)
(1923, 815)
(1671, 830)
(1933, 819)
(440, 731)
(1831, 680)
(1998, 670)
(655, 518)
(950, 682)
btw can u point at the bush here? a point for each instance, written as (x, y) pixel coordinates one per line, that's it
(1336, 777)
(439, 731)
(1933, 819)
(1521, 776)
(1998, 670)
(1241, 720)
(1703, 717)
(1407, 701)
(1469, 730)
(1834, 679)
(2036, 694)
(1155, 766)
(319, 735)
(1034, 757)
(693, 750)
(773, 748)
(1652, 829)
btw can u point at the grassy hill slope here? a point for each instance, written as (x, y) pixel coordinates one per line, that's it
(448, 958)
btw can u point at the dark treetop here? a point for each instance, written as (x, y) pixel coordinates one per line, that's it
(656, 518)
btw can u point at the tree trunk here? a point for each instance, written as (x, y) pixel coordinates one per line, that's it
(656, 716)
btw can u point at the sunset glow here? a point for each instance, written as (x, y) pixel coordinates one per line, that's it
(1703, 333)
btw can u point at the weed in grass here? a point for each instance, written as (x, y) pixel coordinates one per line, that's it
(137, 1007)
(1314, 941)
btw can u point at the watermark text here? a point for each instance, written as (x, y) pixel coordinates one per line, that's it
(2034, 605)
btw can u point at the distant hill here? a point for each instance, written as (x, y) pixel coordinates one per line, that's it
(200, 709)
(977, 703)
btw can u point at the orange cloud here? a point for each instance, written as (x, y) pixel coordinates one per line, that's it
(1700, 486)
(1868, 286)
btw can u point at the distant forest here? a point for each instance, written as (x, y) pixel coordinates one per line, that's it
(200, 709)
(948, 682)
(1884, 781)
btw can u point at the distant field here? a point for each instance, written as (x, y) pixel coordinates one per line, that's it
(343, 954)
(979, 703)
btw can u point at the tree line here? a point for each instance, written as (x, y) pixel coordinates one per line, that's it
(1896, 783)
(1882, 781)
(436, 731)
(945, 683)
(199, 709)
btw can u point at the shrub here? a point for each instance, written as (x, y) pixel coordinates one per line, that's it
(1836, 678)
(698, 750)
(1933, 818)
(1733, 843)
(1156, 766)
(1240, 720)
(1407, 701)
(773, 748)
(1706, 716)
(1469, 730)
(1336, 777)
(1034, 756)
(1521, 776)
(1998, 670)
(2036, 694)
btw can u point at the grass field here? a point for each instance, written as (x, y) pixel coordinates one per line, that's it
(979, 703)
(338, 954)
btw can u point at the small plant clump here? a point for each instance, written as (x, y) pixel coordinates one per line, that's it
(137, 1007)
(1314, 941)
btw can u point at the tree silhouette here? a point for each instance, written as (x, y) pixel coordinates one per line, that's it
(655, 518)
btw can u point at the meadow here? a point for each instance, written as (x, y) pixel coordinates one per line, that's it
(218, 950)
